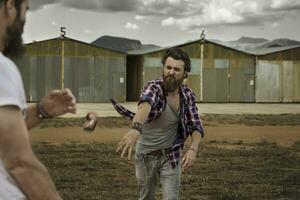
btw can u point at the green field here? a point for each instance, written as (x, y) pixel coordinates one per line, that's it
(247, 171)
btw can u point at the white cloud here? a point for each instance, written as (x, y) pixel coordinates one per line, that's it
(148, 2)
(132, 26)
(168, 22)
(87, 31)
(279, 4)
(177, 2)
(139, 17)
(246, 7)
(275, 24)
(216, 12)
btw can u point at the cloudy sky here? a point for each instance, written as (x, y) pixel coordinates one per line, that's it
(163, 22)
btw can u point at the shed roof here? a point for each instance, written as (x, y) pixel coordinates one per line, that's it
(152, 50)
(74, 40)
(260, 52)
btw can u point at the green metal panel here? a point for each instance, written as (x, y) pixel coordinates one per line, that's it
(248, 67)
(23, 63)
(209, 85)
(249, 88)
(267, 82)
(152, 62)
(296, 83)
(287, 81)
(103, 91)
(52, 73)
(195, 66)
(236, 85)
(222, 81)
(81, 77)
(151, 73)
(118, 74)
(119, 86)
(221, 85)
(193, 83)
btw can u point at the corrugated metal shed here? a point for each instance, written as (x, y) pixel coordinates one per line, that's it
(278, 75)
(93, 74)
(228, 74)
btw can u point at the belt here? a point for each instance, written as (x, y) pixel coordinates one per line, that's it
(160, 152)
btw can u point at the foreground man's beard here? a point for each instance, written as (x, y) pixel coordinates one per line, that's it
(13, 41)
(170, 84)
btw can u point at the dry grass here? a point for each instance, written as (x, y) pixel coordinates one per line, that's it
(258, 171)
(224, 170)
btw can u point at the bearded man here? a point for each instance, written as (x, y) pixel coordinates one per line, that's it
(166, 116)
(22, 175)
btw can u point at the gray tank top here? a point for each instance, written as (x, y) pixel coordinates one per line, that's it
(160, 133)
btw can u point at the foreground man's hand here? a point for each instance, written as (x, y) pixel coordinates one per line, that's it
(59, 102)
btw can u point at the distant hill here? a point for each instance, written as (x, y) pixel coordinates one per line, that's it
(120, 44)
(250, 40)
(248, 43)
(280, 43)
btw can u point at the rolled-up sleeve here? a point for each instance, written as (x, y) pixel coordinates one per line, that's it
(194, 120)
(149, 94)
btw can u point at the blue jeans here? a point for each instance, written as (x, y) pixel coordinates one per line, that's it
(150, 168)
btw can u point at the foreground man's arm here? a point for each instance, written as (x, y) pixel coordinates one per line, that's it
(56, 103)
(19, 160)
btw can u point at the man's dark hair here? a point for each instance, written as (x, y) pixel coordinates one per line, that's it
(178, 54)
(17, 4)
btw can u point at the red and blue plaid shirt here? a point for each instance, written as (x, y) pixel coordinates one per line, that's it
(189, 118)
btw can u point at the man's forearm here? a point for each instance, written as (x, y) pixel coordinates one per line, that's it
(32, 118)
(142, 113)
(196, 139)
(18, 158)
(34, 180)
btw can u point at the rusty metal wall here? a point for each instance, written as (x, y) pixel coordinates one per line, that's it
(152, 69)
(287, 81)
(40, 75)
(194, 79)
(93, 74)
(118, 78)
(296, 82)
(267, 82)
(102, 76)
(23, 64)
(79, 77)
(209, 85)
(236, 85)
(248, 66)
(277, 81)
(96, 80)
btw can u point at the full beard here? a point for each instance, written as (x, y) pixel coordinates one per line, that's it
(170, 83)
(13, 42)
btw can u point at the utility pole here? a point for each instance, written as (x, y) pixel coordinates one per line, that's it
(202, 40)
(62, 37)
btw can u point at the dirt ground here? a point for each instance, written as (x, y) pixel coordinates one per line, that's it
(281, 129)
(238, 161)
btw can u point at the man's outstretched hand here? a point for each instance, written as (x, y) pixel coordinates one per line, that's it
(127, 142)
(59, 102)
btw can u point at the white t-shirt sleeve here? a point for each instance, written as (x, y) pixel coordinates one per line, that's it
(11, 85)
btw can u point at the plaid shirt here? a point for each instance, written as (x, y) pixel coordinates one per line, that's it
(189, 117)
